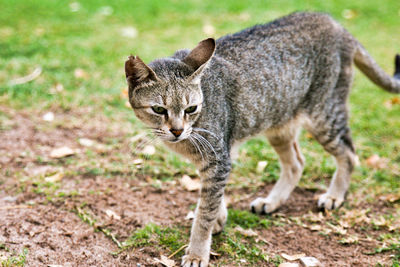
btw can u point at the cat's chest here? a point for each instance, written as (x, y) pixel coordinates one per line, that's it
(185, 149)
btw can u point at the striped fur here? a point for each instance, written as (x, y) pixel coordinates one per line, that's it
(272, 79)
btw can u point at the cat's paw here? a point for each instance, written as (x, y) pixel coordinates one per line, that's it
(194, 261)
(263, 206)
(328, 202)
(221, 220)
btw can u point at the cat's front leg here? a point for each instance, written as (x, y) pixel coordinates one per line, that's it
(222, 216)
(209, 209)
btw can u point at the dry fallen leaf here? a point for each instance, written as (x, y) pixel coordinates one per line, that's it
(391, 197)
(124, 93)
(261, 166)
(209, 30)
(81, 74)
(56, 88)
(315, 227)
(74, 6)
(190, 215)
(376, 162)
(348, 14)
(86, 142)
(149, 150)
(344, 224)
(61, 152)
(357, 216)
(54, 178)
(394, 101)
(215, 254)
(165, 261)
(244, 16)
(129, 32)
(310, 262)
(112, 215)
(244, 232)
(349, 240)
(49, 116)
(137, 161)
(312, 217)
(41, 170)
(309, 136)
(380, 221)
(100, 148)
(337, 229)
(292, 257)
(394, 226)
(388, 104)
(189, 183)
(106, 10)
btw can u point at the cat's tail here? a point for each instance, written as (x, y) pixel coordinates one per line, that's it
(370, 68)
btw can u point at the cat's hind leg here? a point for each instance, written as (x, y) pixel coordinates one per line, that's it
(329, 125)
(285, 143)
(334, 136)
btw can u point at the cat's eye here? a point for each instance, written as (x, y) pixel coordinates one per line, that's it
(191, 109)
(159, 110)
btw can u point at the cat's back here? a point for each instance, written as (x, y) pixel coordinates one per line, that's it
(273, 67)
(292, 31)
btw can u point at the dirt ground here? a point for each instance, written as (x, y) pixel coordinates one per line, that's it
(55, 234)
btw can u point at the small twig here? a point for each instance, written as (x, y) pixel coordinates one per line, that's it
(176, 252)
(36, 73)
(110, 235)
(15, 207)
(86, 218)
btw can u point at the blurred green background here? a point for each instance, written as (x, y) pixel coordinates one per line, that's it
(97, 36)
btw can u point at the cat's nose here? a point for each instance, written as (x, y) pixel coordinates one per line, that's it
(176, 132)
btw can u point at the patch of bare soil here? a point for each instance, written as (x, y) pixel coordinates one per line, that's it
(53, 233)
(123, 207)
(53, 236)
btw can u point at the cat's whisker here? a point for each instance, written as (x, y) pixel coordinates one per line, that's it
(141, 145)
(151, 128)
(202, 145)
(206, 131)
(205, 142)
(192, 140)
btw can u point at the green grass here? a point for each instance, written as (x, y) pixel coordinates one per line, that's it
(170, 238)
(393, 248)
(247, 220)
(48, 34)
(13, 259)
(229, 243)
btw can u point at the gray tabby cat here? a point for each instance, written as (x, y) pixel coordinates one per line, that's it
(270, 79)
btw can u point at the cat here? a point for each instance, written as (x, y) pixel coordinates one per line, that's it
(273, 79)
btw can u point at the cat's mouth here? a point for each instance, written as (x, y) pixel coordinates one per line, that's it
(176, 140)
(166, 136)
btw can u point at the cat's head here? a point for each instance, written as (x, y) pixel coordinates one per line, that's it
(166, 94)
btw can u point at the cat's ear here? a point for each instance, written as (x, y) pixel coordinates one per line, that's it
(137, 72)
(199, 57)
